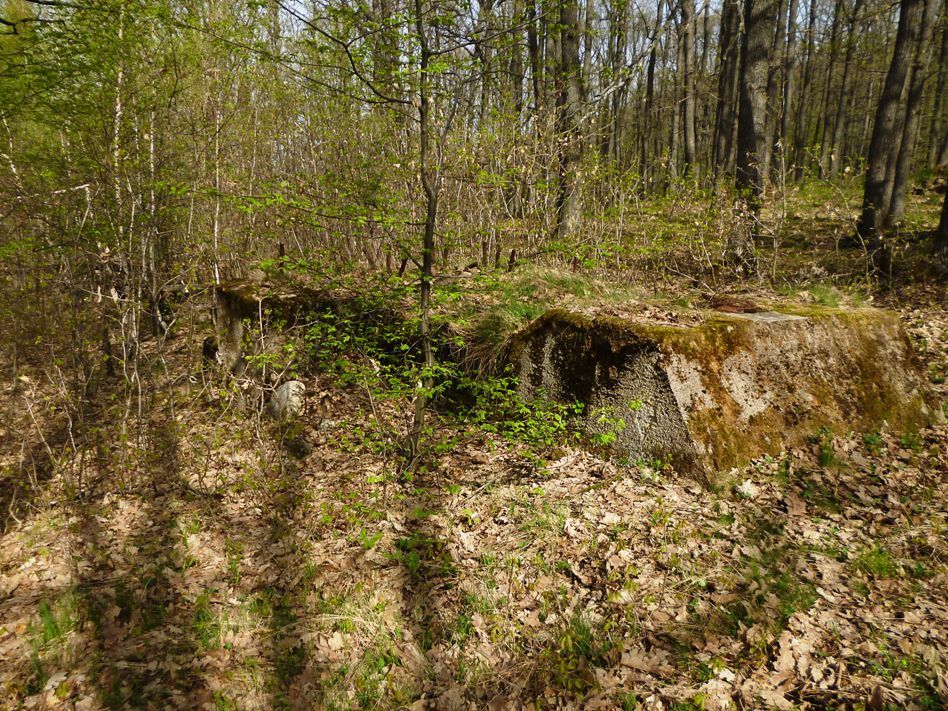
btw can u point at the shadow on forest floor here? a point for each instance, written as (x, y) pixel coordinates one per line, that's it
(217, 569)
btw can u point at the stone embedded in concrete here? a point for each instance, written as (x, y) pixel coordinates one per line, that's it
(729, 387)
(286, 403)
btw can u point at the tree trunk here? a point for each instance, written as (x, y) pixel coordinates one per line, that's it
(886, 137)
(938, 152)
(839, 122)
(759, 18)
(611, 108)
(824, 134)
(384, 48)
(773, 89)
(482, 52)
(533, 48)
(688, 58)
(589, 17)
(647, 110)
(516, 65)
(674, 136)
(621, 40)
(430, 181)
(913, 107)
(112, 285)
(568, 99)
(705, 107)
(728, 66)
(941, 234)
(799, 129)
(790, 63)
(867, 119)
(705, 38)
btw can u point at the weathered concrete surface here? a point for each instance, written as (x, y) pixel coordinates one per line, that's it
(287, 303)
(286, 403)
(252, 299)
(725, 388)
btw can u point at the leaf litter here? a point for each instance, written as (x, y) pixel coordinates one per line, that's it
(231, 576)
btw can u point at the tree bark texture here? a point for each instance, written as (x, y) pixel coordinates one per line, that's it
(886, 134)
(688, 59)
(568, 101)
(728, 68)
(913, 109)
(759, 19)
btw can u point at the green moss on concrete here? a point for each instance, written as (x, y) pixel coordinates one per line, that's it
(716, 333)
(857, 388)
(818, 311)
(725, 446)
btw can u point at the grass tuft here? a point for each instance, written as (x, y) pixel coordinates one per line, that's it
(877, 562)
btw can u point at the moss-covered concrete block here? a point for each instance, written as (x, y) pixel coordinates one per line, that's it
(725, 388)
(288, 303)
(249, 299)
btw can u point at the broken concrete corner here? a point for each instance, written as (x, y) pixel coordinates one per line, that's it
(250, 299)
(707, 391)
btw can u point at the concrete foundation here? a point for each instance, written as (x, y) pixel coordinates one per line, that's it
(727, 387)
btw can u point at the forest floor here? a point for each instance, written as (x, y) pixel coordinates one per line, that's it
(192, 562)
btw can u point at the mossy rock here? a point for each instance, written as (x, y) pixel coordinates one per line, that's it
(728, 387)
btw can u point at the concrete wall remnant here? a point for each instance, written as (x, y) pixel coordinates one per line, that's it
(726, 387)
